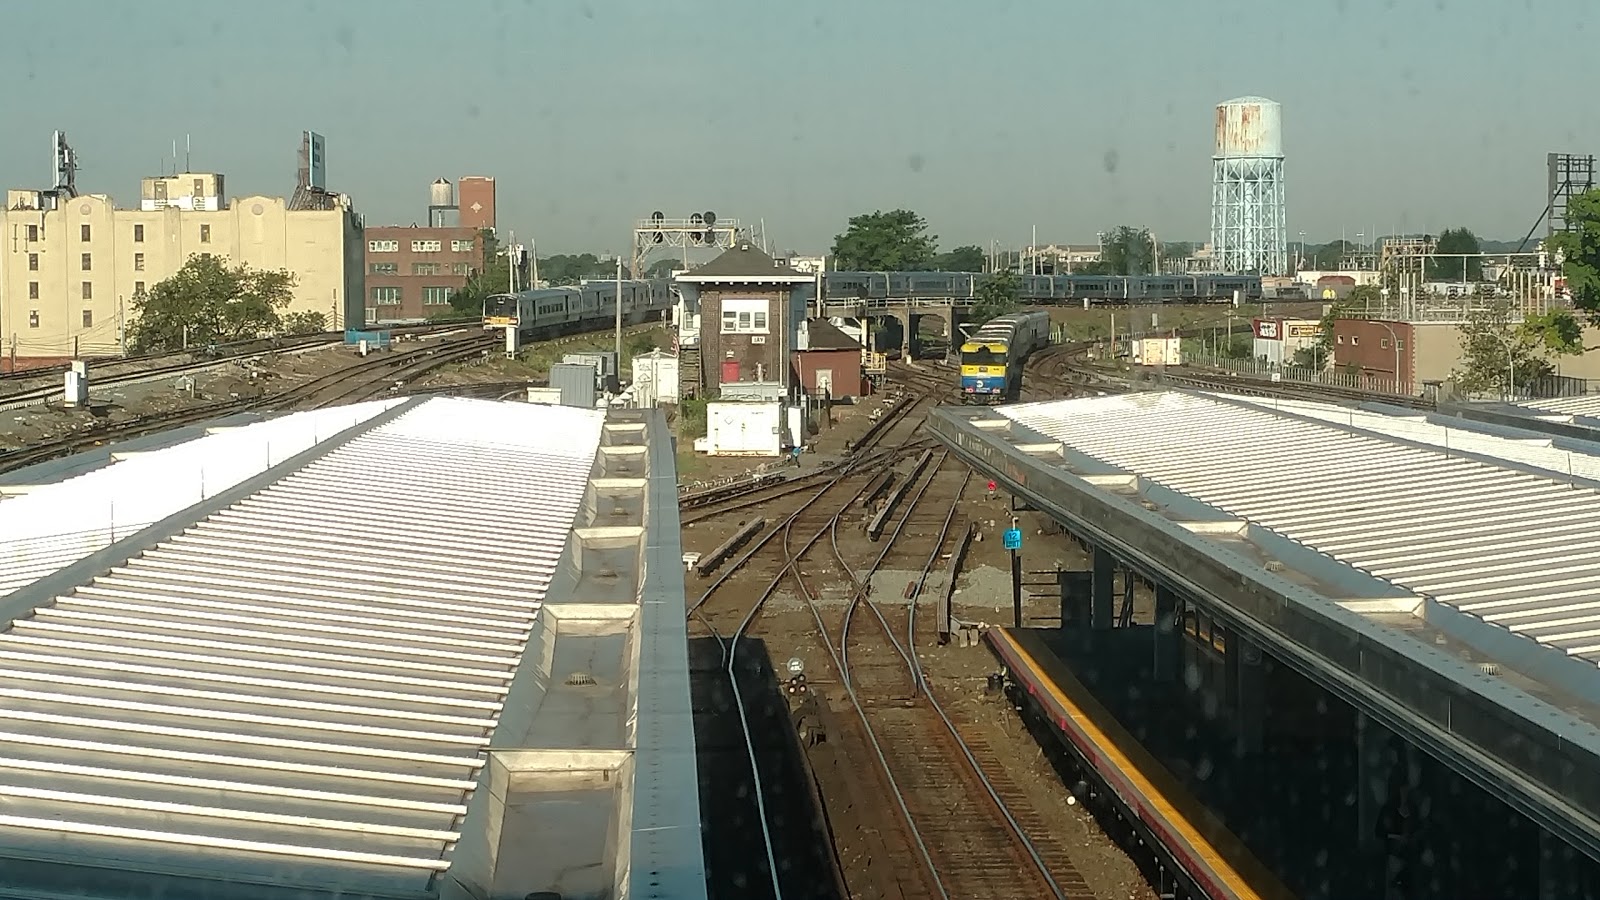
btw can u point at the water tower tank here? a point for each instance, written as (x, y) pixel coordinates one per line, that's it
(441, 193)
(1249, 128)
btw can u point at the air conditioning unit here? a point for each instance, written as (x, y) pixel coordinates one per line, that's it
(758, 339)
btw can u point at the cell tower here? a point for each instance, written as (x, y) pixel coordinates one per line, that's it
(1249, 221)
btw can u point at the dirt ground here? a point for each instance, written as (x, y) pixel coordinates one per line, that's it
(957, 674)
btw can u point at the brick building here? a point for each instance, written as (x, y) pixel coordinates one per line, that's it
(1382, 353)
(828, 361)
(412, 272)
(749, 309)
(475, 202)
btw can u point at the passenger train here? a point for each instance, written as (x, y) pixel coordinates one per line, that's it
(992, 357)
(845, 286)
(563, 310)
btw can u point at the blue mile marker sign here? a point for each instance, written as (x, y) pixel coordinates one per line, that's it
(1013, 538)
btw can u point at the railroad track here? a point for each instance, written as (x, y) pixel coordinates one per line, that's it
(128, 371)
(372, 375)
(949, 830)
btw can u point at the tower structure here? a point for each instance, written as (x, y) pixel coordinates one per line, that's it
(1249, 221)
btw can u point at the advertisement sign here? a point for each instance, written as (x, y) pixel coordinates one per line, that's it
(1304, 331)
(1267, 329)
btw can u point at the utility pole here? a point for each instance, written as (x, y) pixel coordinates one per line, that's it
(511, 262)
(619, 317)
(1013, 543)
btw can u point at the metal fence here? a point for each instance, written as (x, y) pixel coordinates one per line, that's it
(1260, 369)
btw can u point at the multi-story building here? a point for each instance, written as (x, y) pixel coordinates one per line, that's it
(412, 272)
(72, 268)
(740, 319)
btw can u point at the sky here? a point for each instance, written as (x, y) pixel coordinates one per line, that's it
(988, 118)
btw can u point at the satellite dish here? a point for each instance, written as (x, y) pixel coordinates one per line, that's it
(657, 216)
(710, 218)
(696, 219)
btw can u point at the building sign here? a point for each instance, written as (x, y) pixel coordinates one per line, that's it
(1304, 331)
(1267, 329)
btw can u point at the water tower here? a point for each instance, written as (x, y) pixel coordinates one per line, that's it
(1249, 223)
(441, 203)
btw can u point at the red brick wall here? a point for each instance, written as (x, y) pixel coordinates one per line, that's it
(716, 347)
(1367, 347)
(475, 190)
(452, 265)
(844, 364)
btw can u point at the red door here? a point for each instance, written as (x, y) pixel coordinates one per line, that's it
(730, 371)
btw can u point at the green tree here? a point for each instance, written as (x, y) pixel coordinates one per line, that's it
(895, 241)
(1126, 250)
(1446, 268)
(208, 302)
(662, 268)
(1493, 348)
(297, 323)
(997, 296)
(491, 276)
(1327, 257)
(962, 259)
(1579, 252)
(1318, 355)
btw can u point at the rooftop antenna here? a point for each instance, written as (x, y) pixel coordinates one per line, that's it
(186, 152)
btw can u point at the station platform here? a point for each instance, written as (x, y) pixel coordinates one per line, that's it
(400, 650)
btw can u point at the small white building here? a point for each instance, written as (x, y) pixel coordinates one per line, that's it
(1158, 352)
(654, 377)
(750, 428)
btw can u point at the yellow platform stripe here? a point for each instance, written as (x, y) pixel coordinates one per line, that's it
(1217, 871)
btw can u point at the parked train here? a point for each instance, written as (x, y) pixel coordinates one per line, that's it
(561, 310)
(846, 286)
(992, 357)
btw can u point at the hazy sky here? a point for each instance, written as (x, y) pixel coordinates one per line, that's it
(986, 117)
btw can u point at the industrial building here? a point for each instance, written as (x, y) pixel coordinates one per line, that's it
(413, 271)
(239, 667)
(1249, 219)
(72, 266)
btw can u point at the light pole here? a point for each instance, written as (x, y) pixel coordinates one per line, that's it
(1396, 339)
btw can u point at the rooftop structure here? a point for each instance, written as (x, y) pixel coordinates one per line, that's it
(251, 665)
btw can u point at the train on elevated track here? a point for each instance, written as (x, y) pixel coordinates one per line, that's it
(992, 357)
(547, 312)
(845, 287)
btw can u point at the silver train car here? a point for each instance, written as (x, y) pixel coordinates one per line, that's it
(545, 312)
(1045, 289)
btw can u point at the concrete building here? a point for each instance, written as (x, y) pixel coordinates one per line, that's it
(1427, 351)
(740, 317)
(71, 270)
(828, 362)
(413, 272)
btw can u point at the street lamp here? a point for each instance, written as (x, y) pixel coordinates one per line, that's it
(1511, 369)
(1396, 340)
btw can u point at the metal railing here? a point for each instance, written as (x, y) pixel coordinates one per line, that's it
(1268, 371)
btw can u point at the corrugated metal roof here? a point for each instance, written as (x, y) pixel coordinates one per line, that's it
(1566, 457)
(56, 523)
(1512, 547)
(299, 688)
(1587, 406)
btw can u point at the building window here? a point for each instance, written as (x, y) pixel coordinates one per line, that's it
(138, 262)
(33, 234)
(425, 268)
(461, 268)
(33, 318)
(33, 262)
(205, 234)
(88, 290)
(1383, 343)
(385, 296)
(385, 268)
(426, 246)
(88, 262)
(88, 318)
(461, 246)
(1355, 340)
(744, 315)
(1399, 344)
(436, 296)
(33, 290)
(138, 234)
(383, 246)
(138, 289)
(83, 232)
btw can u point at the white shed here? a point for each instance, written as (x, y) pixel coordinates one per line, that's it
(743, 429)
